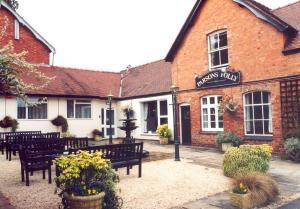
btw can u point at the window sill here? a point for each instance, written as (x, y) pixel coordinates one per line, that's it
(210, 132)
(258, 138)
(146, 134)
(79, 118)
(33, 119)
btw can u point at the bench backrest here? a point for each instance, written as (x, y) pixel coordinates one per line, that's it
(76, 142)
(3, 135)
(42, 147)
(29, 137)
(116, 152)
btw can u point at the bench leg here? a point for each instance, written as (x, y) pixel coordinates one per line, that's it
(128, 170)
(49, 175)
(140, 170)
(31, 173)
(9, 156)
(27, 178)
(22, 175)
(44, 174)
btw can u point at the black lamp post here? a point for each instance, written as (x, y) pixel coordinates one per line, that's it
(109, 97)
(174, 90)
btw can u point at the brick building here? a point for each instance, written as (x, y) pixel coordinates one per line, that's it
(23, 36)
(241, 50)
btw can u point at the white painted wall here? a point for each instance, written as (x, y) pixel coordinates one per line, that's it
(136, 104)
(83, 127)
(56, 106)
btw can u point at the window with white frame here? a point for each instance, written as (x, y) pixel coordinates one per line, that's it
(258, 113)
(35, 108)
(17, 29)
(79, 109)
(218, 50)
(154, 114)
(212, 120)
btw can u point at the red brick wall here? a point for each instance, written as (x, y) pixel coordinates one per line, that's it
(255, 49)
(37, 51)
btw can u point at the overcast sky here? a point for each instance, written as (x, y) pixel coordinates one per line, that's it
(110, 34)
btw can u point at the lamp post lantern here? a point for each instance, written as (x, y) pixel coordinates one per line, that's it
(109, 97)
(174, 90)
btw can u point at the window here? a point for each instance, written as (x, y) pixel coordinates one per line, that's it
(155, 113)
(35, 109)
(17, 29)
(163, 112)
(218, 50)
(211, 119)
(79, 109)
(258, 113)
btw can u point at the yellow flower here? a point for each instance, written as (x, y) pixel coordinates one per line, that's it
(89, 191)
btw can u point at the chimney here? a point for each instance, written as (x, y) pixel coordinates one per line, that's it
(14, 4)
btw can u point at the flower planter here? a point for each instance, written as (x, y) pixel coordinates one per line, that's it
(163, 141)
(226, 146)
(85, 202)
(242, 201)
(97, 138)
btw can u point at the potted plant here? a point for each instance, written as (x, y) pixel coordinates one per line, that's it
(225, 140)
(253, 189)
(87, 181)
(227, 104)
(61, 121)
(164, 134)
(239, 196)
(8, 122)
(97, 135)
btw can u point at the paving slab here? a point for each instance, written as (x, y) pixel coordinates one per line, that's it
(292, 205)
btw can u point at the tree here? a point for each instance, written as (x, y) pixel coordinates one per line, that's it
(13, 66)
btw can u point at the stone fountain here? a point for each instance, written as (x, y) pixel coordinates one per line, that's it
(128, 125)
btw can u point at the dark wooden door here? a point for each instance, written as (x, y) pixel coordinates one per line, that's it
(185, 125)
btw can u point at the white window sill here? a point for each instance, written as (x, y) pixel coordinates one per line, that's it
(33, 119)
(148, 134)
(79, 118)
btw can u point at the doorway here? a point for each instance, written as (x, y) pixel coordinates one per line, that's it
(106, 114)
(185, 125)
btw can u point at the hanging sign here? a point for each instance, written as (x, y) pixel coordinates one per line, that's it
(218, 78)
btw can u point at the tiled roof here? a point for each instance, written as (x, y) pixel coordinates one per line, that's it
(76, 82)
(148, 79)
(290, 14)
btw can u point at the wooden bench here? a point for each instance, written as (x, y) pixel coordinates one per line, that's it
(120, 155)
(3, 136)
(38, 155)
(13, 142)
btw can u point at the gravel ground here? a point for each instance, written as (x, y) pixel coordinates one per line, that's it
(164, 184)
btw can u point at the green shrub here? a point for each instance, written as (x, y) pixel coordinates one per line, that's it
(246, 158)
(292, 148)
(228, 137)
(164, 131)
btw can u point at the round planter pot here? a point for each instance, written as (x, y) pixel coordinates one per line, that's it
(226, 146)
(163, 141)
(85, 202)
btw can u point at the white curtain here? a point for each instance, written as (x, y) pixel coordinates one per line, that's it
(145, 116)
